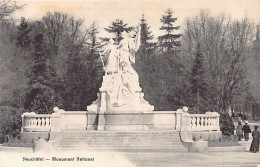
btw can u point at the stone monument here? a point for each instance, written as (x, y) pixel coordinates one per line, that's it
(120, 97)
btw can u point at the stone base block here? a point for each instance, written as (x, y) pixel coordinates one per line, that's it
(44, 146)
(126, 121)
(55, 136)
(199, 146)
(122, 120)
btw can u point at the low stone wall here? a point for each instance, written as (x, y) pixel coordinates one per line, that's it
(74, 120)
(207, 135)
(34, 136)
(16, 149)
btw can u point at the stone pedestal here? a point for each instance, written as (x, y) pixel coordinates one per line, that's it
(200, 146)
(120, 105)
(56, 125)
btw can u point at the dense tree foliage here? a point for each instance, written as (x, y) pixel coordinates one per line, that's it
(225, 45)
(199, 88)
(41, 96)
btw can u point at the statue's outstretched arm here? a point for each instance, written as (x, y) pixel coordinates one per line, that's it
(104, 51)
(138, 39)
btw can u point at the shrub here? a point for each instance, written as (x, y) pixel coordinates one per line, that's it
(227, 126)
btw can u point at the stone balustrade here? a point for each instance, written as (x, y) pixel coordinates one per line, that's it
(205, 122)
(32, 122)
(177, 120)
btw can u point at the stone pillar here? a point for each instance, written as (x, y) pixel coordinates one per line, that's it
(186, 133)
(185, 122)
(217, 120)
(103, 107)
(22, 122)
(101, 121)
(178, 119)
(55, 125)
(103, 103)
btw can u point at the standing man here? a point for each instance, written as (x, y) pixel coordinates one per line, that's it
(246, 130)
(239, 131)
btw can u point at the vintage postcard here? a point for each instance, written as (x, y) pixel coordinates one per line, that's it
(120, 83)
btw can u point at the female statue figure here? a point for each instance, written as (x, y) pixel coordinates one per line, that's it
(126, 52)
(112, 62)
(127, 48)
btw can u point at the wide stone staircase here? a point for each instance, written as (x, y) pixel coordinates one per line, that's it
(124, 141)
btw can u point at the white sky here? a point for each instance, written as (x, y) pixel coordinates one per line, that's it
(106, 11)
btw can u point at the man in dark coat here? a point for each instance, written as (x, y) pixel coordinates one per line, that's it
(246, 130)
(244, 117)
(239, 131)
(255, 143)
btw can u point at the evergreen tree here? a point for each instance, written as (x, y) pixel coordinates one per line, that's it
(74, 79)
(41, 97)
(198, 83)
(94, 66)
(23, 39)
(144, 65)
(168, 72)
(117, 28)
(169, 41)
(146, 36)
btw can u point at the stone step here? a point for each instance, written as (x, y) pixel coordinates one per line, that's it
(129, 136)
(119, 135)
(119, 132)
(113, 142)
(148, 135)
(121, 140)
(128, 150)
(119, 146)
(114, 134)
(123, 144)
(107, 138)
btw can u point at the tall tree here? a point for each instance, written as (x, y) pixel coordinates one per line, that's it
(76, 69)
(168, 68)
(198, 84)
(117, 27)
(94, 65)
(170, 41)
(23, 39)
(146, 37)
(146, 34)
(145, 63)
(41, 97)
(225, 45)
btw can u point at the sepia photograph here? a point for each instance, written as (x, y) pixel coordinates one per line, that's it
(120, 83)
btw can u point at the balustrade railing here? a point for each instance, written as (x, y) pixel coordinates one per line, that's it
(32, 122)
(204, 122)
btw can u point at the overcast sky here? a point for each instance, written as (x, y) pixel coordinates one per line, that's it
(105, 11)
